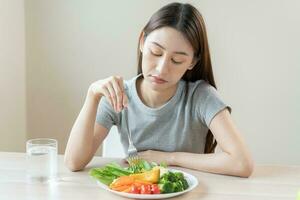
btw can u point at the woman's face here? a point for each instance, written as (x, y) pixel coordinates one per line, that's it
(166, 57)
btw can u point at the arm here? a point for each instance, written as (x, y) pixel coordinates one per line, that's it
(86, 135)
(234, 158)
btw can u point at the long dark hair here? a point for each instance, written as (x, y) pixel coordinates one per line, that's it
(188, 20)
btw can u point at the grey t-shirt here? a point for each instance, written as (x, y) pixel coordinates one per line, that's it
(179, 125)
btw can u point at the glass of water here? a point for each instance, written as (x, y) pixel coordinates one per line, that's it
(41, 159)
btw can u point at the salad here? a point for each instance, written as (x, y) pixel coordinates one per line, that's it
(140, 178)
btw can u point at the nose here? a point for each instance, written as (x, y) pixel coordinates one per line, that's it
(162, 66)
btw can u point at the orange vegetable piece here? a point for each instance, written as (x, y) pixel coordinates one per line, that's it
(138, 182)
(127, 190)
(123, 180)
(121, 188)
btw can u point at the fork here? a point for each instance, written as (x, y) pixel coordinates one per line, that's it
(132, 157)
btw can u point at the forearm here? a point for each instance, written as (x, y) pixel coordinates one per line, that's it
(80, 144)
(219, 163)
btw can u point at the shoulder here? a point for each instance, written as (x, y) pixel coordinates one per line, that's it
(203, 96)
(200, 89)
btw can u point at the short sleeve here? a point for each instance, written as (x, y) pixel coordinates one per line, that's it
(210, 105)
(106, 116)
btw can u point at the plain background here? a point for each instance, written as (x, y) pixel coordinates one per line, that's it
(51, 51)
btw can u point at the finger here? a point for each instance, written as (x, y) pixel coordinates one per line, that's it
(119, 94)
(112, 95)
(107, 95)
(120, 82)
(125, 100)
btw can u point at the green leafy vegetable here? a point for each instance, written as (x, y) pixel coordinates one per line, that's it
(109, 172)
(143, 165)
(163, 164)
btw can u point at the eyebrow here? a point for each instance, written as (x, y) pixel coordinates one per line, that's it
(177, 52)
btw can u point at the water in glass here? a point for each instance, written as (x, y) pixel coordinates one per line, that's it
(41, 160)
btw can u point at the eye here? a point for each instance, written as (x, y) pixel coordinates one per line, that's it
(176, 62)
(155, 53)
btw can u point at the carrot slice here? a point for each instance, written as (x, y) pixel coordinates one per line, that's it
(123, 180)
(140, 182)
(121, 188)
(127, 190)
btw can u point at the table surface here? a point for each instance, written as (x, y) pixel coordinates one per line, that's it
(267, 182)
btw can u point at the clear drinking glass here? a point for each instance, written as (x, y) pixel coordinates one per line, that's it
(41, 159)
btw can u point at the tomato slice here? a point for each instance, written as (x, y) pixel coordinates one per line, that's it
(155, 189)
(135, 189)
(145, 189)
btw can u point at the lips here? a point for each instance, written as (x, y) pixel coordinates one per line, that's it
(158, 80)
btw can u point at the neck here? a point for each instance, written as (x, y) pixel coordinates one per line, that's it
(153, 98)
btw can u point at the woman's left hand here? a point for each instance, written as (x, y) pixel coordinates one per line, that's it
(156, 156)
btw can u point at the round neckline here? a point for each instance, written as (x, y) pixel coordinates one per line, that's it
(161, 109)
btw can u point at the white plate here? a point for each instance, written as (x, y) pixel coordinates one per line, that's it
(192, 181)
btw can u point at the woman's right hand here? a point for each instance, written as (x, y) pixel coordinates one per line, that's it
(113, 89)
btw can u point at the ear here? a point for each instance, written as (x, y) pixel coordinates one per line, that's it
(142, 39)
(192, 65)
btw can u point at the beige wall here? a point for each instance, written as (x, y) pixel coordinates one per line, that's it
(12, 76)
(70, 45)
(255, 52)
(254, 47)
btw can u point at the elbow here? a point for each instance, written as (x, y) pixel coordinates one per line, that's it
(246, 168)
(71, 164)
(246, 172)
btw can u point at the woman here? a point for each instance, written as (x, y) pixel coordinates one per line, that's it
(174, 111)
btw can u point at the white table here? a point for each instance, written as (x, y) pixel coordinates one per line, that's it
(267, 182)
